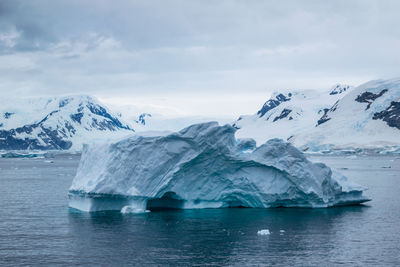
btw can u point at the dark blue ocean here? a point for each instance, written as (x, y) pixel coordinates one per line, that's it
(38, 228)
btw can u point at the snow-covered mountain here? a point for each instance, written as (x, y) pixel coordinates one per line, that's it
(287, 114)
(66, 123)
(58, 123)
(367, 116)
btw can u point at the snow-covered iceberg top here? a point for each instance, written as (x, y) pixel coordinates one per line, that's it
(204, 166)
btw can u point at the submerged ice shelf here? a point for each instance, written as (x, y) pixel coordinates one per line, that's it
(204, 166)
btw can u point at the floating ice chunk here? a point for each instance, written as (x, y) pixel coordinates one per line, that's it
(132, 209)
(204, 166)
(264, 232)
(281, 231)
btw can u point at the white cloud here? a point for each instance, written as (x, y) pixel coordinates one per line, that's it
(16, 63)
(9, 38)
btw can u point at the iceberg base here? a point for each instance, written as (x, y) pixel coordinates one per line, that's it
(102, 202)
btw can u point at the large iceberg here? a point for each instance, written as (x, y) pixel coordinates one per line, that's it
(204, 166)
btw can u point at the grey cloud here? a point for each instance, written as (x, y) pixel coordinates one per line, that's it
(168, 47)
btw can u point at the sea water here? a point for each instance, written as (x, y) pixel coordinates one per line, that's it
(38, 228)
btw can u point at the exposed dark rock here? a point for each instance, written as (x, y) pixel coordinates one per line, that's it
(70, 128)
(142, 118)
(334, 107)
(323, 119)
(325, 110)
(368, 97)
(326, 117)
(7, 115)
(48, 116)
(273, 103)
(338, 89)
(77, 117)
(25, 129)
(391, 115)
(283, 114)
(99, 110)
(64, 102)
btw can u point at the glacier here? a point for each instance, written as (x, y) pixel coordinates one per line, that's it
(204, 166)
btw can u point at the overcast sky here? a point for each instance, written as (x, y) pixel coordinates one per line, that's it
(219, 58)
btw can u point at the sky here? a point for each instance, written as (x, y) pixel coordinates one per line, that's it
(193, 57)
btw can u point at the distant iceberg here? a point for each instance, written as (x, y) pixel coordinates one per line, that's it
(204, 166)
(263, 232)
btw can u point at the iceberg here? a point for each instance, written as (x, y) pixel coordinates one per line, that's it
(204, 166)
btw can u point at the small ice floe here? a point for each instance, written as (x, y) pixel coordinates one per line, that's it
(132, 209)
(264, 232)
(352, 157)
(49, 161)
(281, 231)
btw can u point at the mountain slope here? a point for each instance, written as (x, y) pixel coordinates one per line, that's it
(57, 123)
(286, 114)
(367, 116)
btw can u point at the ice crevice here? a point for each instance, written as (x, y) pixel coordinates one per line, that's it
(204, 166)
